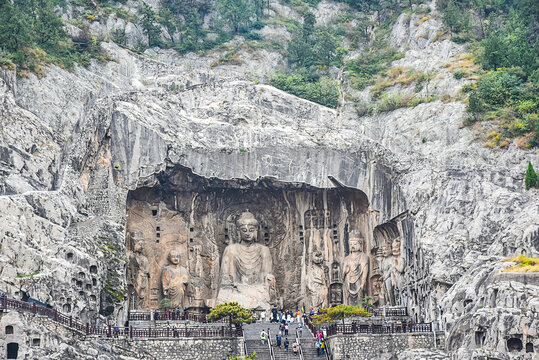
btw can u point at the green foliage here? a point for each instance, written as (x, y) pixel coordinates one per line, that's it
(148, 21)
(531, 177)
(339, 312)
(32, 35)
(165, 304)
(21, 276)
(455, 18)
(308, 86)
(238, 14)
(366, 302)
(314, 46)
(363, 69)
(253, 356)
(232, 311)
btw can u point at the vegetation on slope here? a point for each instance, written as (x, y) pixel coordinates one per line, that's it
(523, 264)
(503, 35)
(32, 35)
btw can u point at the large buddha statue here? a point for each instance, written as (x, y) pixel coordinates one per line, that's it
(247, 268)
(174, 280)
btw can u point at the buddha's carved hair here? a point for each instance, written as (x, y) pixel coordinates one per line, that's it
(246, 218)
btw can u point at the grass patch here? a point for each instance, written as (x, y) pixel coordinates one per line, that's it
(524, 264)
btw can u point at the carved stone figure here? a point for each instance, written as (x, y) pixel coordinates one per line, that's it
(398, 266)
(317, 287)
(356, 272)
(376, 291)
(138, 269)
(174, 280)
(335, 294)
(247, 268)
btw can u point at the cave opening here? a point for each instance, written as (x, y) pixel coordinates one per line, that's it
(12, 350)
(514, 345)
(190, 225)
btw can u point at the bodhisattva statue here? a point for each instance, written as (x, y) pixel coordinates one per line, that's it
(387, 266)
(138, 269)
(247, 269)
(317, 286)
(398, 266)
(174, 280)
(356, 272)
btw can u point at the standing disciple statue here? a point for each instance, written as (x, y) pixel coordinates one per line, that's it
(247, 268)
(174, 280)
(356, 272)
(138, 270)
(317, 286)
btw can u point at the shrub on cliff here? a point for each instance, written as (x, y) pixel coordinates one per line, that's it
(531, 177)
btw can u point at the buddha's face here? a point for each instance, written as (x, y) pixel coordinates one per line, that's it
(174, 257)
(355, 246)
(318, 258)
(248, 233)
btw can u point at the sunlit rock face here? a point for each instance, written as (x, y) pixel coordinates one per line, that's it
(262, 243)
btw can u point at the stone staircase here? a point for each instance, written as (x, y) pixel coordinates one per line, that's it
(253, 343)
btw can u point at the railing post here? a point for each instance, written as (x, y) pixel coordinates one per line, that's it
(130, 332)
(109, 332)
(70, 321)
(168, 332)
(150, 332)
(4, 301)
(34, 308)
(87, 329)
(55, 316)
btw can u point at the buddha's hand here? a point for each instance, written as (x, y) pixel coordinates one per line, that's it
(165, 292)
(270, 279)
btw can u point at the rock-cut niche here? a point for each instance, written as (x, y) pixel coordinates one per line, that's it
(199, 242)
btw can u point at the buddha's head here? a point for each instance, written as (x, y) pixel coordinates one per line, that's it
(174, 257)
(355, 243)
(137, 240)
(248, 227)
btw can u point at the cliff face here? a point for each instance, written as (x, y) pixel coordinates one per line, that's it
(74, 144)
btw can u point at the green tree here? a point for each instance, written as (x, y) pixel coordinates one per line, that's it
(236, 13)
(169, 22)
(234, 312)
(455, 19)
(148, 21)
(14, 27)
(339, 312)
(531, 177)
(366, 302)
(165, 304)
(253, 356)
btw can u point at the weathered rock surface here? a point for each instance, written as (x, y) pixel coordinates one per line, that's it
(73, 145)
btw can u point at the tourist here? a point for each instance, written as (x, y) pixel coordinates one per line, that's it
(274, 314)
(298, 316)
(286, 343)
(263, 316)
(322, 347)
(295, 348)
(263, 336)
(157, 315)
(300, 330)
(399, 326)
(319, 336)
(388, 325)
(116, 331)
(286, 329)
(175, 330)
(317, 345)
(278, 340)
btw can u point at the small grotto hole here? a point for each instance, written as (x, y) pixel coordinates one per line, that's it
(9, 330)
(36, 342)
(93, 269)
(66, 308)
(12, 350)
(69, 256)
(529, 347)
(514, 345)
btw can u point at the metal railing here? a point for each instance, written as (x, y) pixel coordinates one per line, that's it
(272, 355)
(373, 328)
(391, 311)
(7, 303)
(300, 350)
(166, 315)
